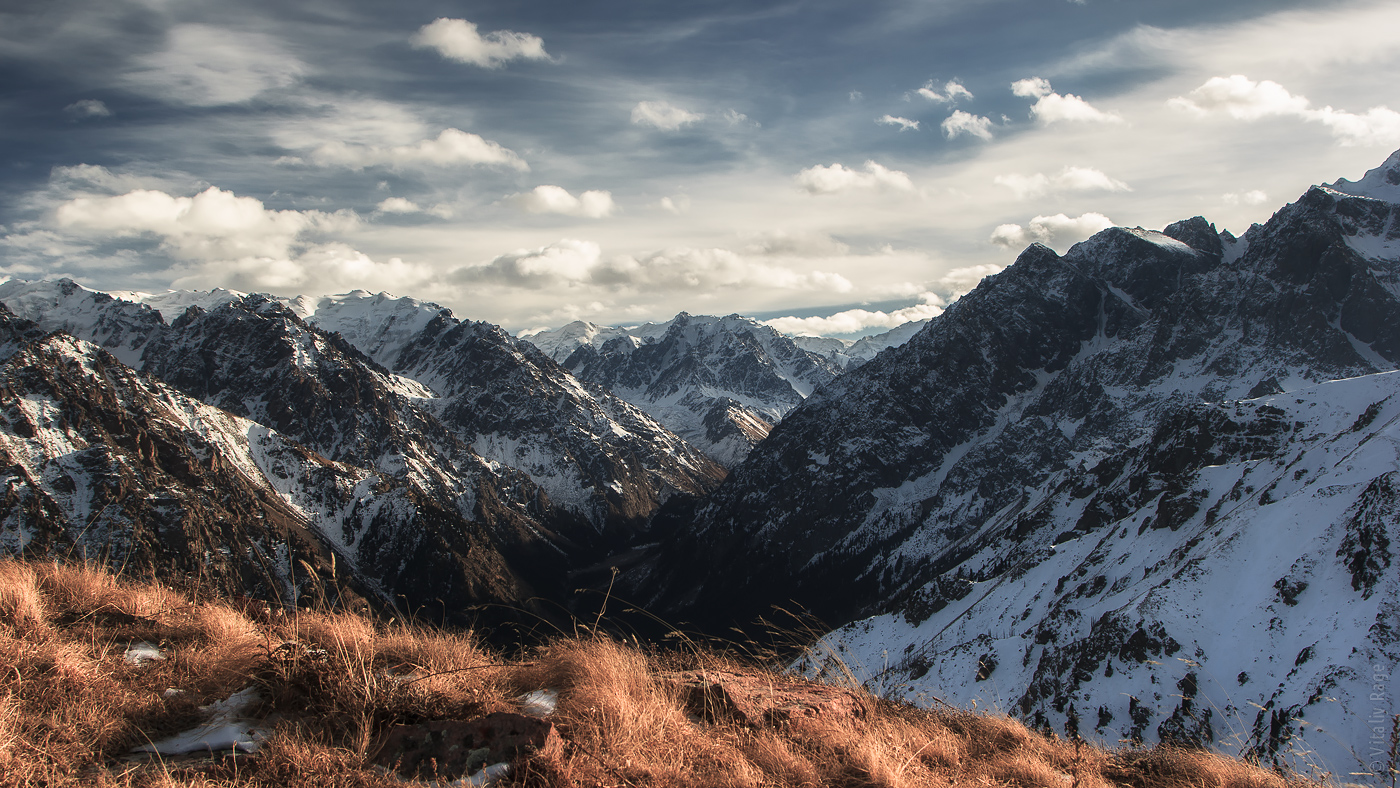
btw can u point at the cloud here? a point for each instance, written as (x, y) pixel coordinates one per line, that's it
(709, 269)
(959, 123)
(397, 205)
(1051, 107)
(219, 239)
(87, 108)
(1241, 98)
(852, 321)
(207, 66)
(960, 281)
(451, 148)
(1254, 197)
(571, 263)
(675, 205)
(1070, 179)
(321, 268)
(213, 224)
(734, 118)
(952, 91)
(904, 124)
(1244, 99)
(663, 115)
(809, 244)
(1054, 230)
(458, 39)
(836, 178)
(568, 261)
(556, 199)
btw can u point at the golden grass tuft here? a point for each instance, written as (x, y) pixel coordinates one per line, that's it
(332, 683)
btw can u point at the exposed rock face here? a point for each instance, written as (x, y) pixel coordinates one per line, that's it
(487, 489)
(1037, 495)
(720, 383)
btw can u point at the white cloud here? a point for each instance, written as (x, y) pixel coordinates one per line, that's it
(458, 39)
(556, 199)
(734, 117)
(663, 115)
(1253, 197)
(1380, 126)
(568, 261)
(1244, 99)
(1070, 179)
(397, 205)
(960, 281)
(452, 147)
(208, 66)
(220, 239)
(1054, 231)
(321, 268)
(213, 224)
(573, 263)
(675, 205)
(952, 91)
(835, 178)
(1051, 107)
(801, 244)
(708, 269)
(959, 123)
(852, 321)
(87, 108)
(904, 124)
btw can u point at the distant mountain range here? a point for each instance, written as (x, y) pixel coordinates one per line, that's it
(719, 382)
(1152, 484)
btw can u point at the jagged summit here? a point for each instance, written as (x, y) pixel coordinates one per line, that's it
(1381, 183)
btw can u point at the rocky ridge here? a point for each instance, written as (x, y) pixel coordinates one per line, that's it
(1058, 481)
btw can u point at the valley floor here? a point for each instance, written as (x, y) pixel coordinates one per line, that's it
(97, 669)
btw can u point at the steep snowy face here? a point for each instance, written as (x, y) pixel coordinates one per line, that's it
(965, 460)
(1227, 582)
(720, 383)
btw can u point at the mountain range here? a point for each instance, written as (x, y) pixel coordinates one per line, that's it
(1149, 485)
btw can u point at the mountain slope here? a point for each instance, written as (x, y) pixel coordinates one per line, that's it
(105, 464)
(954, 463)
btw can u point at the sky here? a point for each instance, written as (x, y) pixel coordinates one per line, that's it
(837, 168)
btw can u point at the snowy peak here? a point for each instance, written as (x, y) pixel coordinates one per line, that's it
(1381, 183)
(378, 324)
(719, 382)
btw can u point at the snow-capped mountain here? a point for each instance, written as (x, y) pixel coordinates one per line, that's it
(477, 437)
(1119, 480)
(848, 354)
(104, 463)
(719, 382)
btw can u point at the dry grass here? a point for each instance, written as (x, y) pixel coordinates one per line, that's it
(71, 708)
